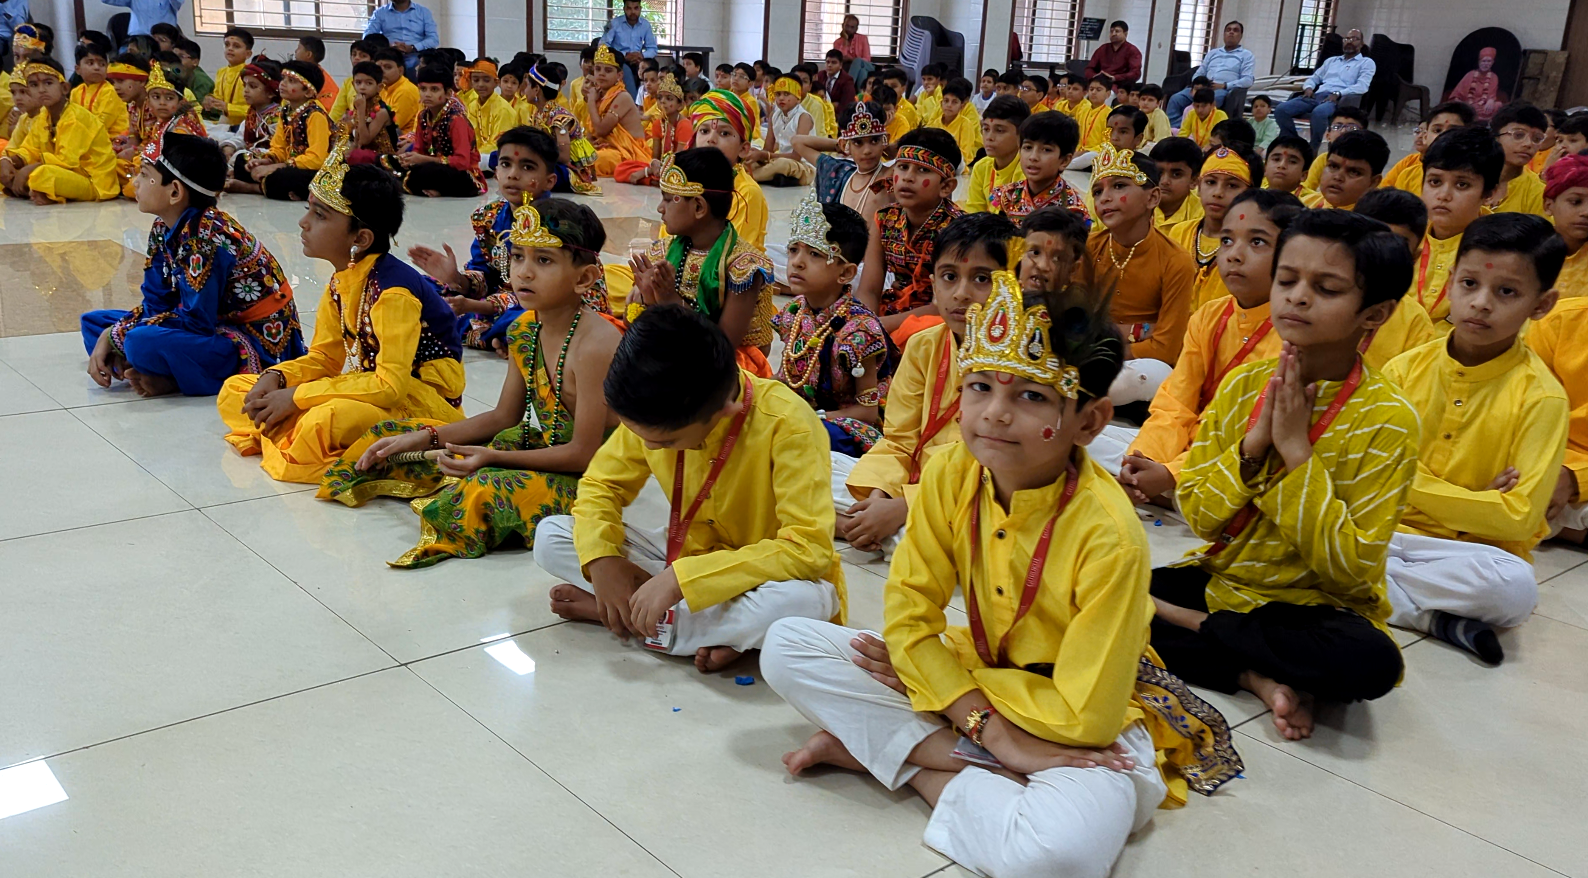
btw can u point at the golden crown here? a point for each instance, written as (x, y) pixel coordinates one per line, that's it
(669, 86)
(327, 184)
(158, 80)
(808, 225)
(863, 124)
(1005, 336)
(527, 230)
(675, 182)
(1111, 162)
(35, 67)
(605, 55)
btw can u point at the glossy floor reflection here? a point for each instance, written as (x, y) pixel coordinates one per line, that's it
(223, 676)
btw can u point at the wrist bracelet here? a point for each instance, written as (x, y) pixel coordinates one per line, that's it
(282, 379)
(435, 437)
(976, 723)
(1253, 462)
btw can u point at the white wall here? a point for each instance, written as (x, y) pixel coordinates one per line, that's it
(1436, 26)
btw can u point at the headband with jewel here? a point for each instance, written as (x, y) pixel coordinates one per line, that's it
(289, 73)
(541, 80)
(27, 36)
(123, 70)
(158, 80)
(527, 230)
(675, 182)
(808, 225)
(668, 85)
(34, 68)
(604, 55)
(327, 184)
(920, 155)
(863, 124)
(1226, 161)
(1111, 162)
(1005, 336)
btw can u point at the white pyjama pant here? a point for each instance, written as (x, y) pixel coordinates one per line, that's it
(1472, 580)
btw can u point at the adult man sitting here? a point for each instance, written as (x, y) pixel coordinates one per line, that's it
(631, 38)
(1229, 66)
(1118, 58)
(409, 27)
(1347, 74)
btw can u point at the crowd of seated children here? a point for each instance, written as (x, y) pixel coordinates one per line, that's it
(443, 159)
(299, 145)
(66, 153)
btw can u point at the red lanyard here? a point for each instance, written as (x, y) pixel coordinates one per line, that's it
(1248, 512)
(678, 528)
(935, 420)
(1033, 584)
(1210, 384)
(1422, 277)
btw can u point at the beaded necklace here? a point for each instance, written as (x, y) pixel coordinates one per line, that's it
(1120, 266)
(1204, 259)
(529, 388)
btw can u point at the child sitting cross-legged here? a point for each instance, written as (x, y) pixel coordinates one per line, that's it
(260, 86)
(576, 156)
(835, 352)
(385, 344)
(66, 155)
(1047, 144)
(299, 146)
(1222, 335)
(1076, 734)
(925, 172)
(1297, 478)
(501, 472)
(872, 494)
(616, 128)
(748, 539)
(1000, 134)
(369, 121)
(1460, 170)
(215, 301)
(1495, 424)
(444, 160)
(670, 132)
(1152, 278)
(170, 113)
(778, 164)
(704, 262)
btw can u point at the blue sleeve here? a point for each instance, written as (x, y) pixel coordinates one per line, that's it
(157, 298)
(369, 29)
(649, 49)
(1316, 79)
(1248, 71)
(123, 3)
(1364, 77)
(479, 260)
(431, 38)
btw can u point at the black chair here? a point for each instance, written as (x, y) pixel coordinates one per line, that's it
(1392, 86)
(927, 41)
(1076, 66)
(118, 28)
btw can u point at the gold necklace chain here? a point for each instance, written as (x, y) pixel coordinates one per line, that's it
(1120, 266)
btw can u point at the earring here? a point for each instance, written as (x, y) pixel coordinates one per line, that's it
(352, 256)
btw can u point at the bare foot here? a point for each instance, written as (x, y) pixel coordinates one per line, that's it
(822, 749)
(147, 385)
(574, 603)
(39, 198)
(433, 193)
(1292, 710)
(715, 658)
(242, 188)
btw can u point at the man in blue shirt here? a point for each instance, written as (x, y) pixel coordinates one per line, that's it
(1348, 74)
(410, 28)
(148, 13)
(631, 37)
(1229, 66)
(12, 13)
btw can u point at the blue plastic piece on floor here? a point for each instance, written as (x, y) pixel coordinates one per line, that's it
(1157, 522)
(677, 709)
(744, 680)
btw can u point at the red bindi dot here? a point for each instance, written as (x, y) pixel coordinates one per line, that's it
(1488, 265)
(1243, 216)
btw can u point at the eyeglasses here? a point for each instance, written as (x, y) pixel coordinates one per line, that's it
(1523, 134)
(1026, 86)
(1342, 127)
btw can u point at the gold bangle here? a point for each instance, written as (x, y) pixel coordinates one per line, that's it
(976, 723)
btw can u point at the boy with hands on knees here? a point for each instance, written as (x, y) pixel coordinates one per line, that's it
(749, 534)
(1062, 761)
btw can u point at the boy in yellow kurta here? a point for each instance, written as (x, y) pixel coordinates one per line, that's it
(95, 94)
(385, 343)
(719, 120)
(1407, 174)
(225, 103)
(398, 91)
(1519, 127)
(358, 53)
(1298, 490)
(66, 155)
(1049, 678)
(872, 494)
(1566, 203)
(299, 146)
(1409, 326)
(1494, 435)
(748, 539)
(1092, 117)
(489, 113)
(1352, 168)
(1460, 170)
(1226, 173)
(956, 116)
(1205, 114)
(1557, 341)
(1179, 162)
(1000, 129)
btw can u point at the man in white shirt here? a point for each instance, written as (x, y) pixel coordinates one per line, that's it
(1229, 66)
(1340, 76)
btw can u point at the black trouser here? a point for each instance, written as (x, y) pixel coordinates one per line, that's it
(1332, 653)
(284, 183)
(442, 179)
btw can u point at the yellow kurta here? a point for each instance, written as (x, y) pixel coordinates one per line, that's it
(1315, 172)
(6, 102)
(78, 164)
(1406, 175)
(1090, 619)
(1557, 340)
(897, 127)
(985, 176)
(1321, 535)
(1200, 129)
(490, 120)
(1432, 271)
(319, 146)
(1158, 127)
(576, 102)
(1209, 283)
(229, 88)
(345, 97)
(101, 100)
(403, 98)
(1478, 420)
(336, 408)
(821, 110)
(1573, 279)
(1407, 328)
(887, 466)
(19, 131)
(1189, 209)
(966, 128)
(929, 106)
(907, 112)
(769, 518)
(1154, 290)
(1094, 125)
(1176, 408)
(1525, 194)
(749, 213)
